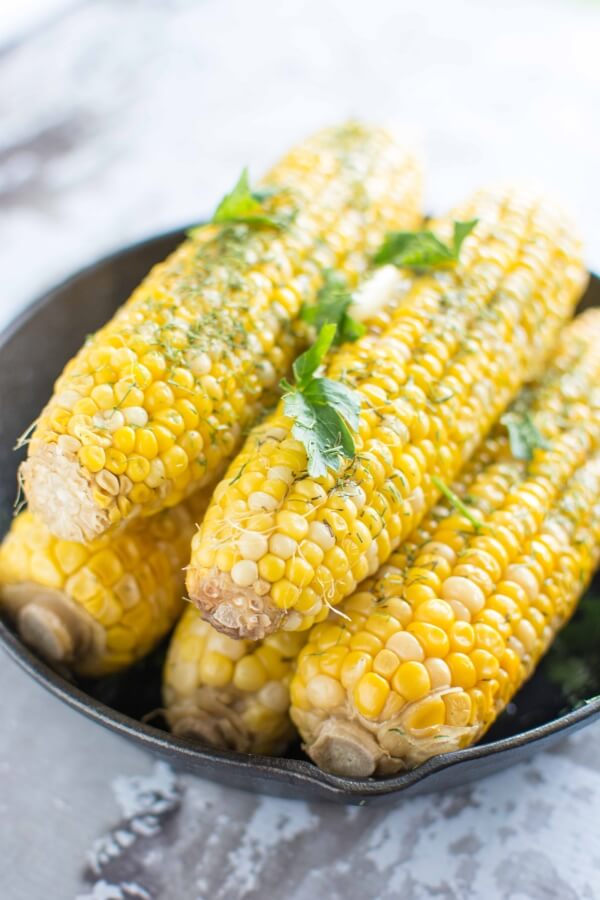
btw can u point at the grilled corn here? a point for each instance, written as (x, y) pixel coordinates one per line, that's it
(439, 364)
(430, 651)
(96, 608)
(156, 401)
(230, 694)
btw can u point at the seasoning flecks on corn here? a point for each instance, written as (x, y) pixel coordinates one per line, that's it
(227, 693)
(96, 608)
(157, 400)
(432, 649)
(439, 364)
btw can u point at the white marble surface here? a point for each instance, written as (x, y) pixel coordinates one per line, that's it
(118, 119)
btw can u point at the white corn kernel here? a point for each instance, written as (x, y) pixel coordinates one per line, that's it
(244, 573)
(439, 549)
(253, 545)
(275, 696)
(324, 692)
(405, 646)
(522, 576)
(136, 415)
(259, 500)
(281, 473)
(282, 546)
(322, 535)
(465, 591)
(439, 672)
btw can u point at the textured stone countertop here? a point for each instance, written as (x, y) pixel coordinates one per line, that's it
(120, 119)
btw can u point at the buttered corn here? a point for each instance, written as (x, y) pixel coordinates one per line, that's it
(230, 694)
(156, 401)
(442, 359)
(97, 607)
(430, 651)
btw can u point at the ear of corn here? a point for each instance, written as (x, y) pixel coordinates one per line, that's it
(230, 694)
(96, 608)
(432, 649)
(440, 363)
(156, 401)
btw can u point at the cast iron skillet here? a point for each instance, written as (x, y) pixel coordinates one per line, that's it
(559, 699)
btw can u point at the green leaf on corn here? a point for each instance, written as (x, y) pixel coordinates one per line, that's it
(422, 250)
(524, 436)
(331, 307)
(245, 206)
(325, 412)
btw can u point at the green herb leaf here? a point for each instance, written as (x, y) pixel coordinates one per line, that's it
(333, 302)
(461, 231)
(325, 412)
(524, 436)
(422, 249)
(457, 503)
(245, 206)
(326, 392)
(307, 363)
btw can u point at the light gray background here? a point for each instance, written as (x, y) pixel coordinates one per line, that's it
(119, 119)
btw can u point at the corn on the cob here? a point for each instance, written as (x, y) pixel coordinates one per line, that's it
(230, 694)
(276, 547)
(432, 649)
(95, 608)
(157, 400)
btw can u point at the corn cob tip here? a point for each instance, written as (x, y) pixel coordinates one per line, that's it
(236, 611)
(50, 623)
(59, 493)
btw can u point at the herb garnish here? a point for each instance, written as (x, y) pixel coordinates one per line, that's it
(332, 304)
(524, 436)
(245, 206)
(457, 503)
(325, 412)
(422, 249)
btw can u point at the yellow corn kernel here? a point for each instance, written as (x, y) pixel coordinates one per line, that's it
(145, 443)
(124, 439)
(116, 461)
(428, 713)
(356, 664)
(385, 663)
(411, 680)
(271, 568)
(175, 461)
(92, 458)
(138, 468)
(250, 674)
(216, 669)
(432, 638)
(370, 694)
(284, 594)
(299, 572)
(464, 673)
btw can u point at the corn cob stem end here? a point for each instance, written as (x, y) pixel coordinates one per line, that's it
(233, 610)
(345, 748)
(208, 717)
(50, 623)
(59, 493)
